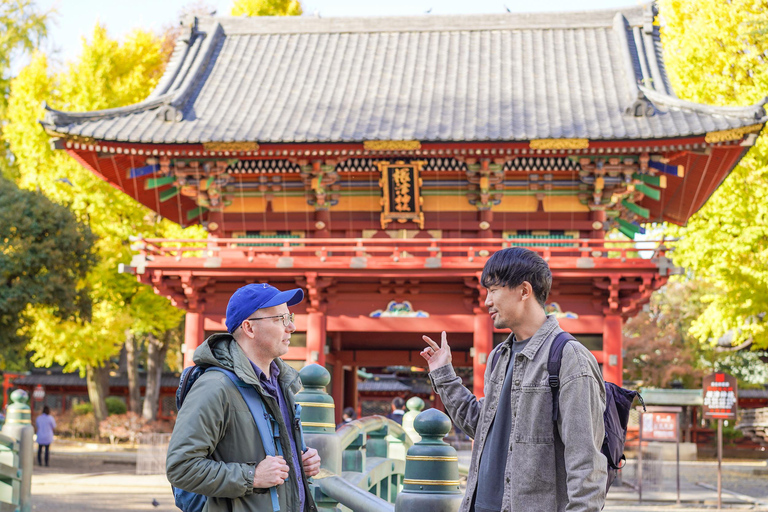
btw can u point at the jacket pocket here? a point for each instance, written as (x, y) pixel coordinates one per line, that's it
(533, 423)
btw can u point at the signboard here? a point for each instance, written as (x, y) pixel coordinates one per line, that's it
(660, 426)
(720, 394)
(401, 192)
(39, 392)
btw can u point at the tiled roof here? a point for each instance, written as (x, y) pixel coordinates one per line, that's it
(500, 77)
(383, 384)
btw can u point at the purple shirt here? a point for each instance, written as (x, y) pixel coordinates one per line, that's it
(272, 386)
(45, 425)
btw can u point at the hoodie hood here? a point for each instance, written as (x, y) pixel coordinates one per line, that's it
(222, 350)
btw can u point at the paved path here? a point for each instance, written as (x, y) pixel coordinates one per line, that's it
(91, 481)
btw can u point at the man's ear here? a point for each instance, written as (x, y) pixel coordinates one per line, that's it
(526, 291)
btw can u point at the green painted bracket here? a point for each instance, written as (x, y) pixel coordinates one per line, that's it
(629, 234)
(659, 180)
(628, 226)
(168, 194)
(648, 191)
(196, 212)
(153, 183)
(639, 210)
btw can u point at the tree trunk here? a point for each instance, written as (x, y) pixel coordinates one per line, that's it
(156, 350)
(97, 379)
(132, 369)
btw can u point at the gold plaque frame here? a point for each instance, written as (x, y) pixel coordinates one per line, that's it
(391, 212)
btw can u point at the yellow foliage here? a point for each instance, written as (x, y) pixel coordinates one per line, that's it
(106, 74)
(716, 52)
(266, 8)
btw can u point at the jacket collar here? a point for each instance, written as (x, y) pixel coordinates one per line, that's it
(541, 336)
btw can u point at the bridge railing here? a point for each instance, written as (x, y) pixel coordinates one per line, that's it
(371, 464)
(16, 456)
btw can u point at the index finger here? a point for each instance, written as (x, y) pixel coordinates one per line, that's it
(430, 342)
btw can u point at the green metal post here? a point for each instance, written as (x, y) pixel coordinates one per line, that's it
(431, 480)
(414, 405)
(317, 420)
(18, 426)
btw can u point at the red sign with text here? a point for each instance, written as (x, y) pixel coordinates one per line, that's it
(660, 426)
(720, 394)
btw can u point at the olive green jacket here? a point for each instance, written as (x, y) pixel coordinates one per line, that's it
(215, 445)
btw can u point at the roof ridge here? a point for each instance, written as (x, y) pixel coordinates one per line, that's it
(424, 23)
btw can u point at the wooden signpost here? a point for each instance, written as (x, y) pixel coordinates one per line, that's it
(720, 395)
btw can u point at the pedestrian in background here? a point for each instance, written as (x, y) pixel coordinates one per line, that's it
(347, 416)
(45, 425)
(398, 409)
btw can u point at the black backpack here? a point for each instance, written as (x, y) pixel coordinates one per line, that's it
(618, 403)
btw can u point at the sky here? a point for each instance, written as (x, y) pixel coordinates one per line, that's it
(76, 18)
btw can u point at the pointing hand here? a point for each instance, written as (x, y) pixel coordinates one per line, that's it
(437, 356)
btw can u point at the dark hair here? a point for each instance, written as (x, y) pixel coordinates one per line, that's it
(350, 412)
(510, 267)
(398, 402)
(46, 410)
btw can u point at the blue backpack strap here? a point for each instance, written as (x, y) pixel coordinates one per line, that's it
(299, 427)
(269, 429)
(553, 368)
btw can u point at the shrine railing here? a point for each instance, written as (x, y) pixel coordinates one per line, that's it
(359, 252)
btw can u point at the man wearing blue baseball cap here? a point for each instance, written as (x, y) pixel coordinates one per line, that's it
(215, 449)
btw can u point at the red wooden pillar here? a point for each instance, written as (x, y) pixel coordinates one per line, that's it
(193, 335)
(483, 344)
(337, 389)
(612, 338)
(350, 390)
(316, 325)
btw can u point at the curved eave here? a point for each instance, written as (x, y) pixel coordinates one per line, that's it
(750, 114)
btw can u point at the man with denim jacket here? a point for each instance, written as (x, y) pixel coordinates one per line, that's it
(531, 463)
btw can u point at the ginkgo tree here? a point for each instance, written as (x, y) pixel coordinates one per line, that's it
(266, 8)
(106, 74)
(716, 53)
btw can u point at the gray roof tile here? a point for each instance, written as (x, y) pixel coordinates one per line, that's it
(511, 77)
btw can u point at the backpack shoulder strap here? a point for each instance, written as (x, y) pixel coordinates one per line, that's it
(553, 368)
(268, 428)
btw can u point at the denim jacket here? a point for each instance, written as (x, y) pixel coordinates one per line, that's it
(547, 469)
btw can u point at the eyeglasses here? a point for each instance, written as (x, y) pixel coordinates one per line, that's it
(287, 318)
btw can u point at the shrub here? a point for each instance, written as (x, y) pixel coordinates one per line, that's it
(76, 424)
(83, 408)
(115, 405)
(121, 427)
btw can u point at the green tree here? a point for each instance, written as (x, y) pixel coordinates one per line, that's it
(715, 56)
(106, 74)
(266, 8)
(44, 258)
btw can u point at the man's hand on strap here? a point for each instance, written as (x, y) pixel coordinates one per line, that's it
(270, 472)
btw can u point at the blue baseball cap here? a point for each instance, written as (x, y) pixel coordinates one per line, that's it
(255, 296)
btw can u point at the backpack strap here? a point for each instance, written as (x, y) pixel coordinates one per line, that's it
(553, 368)
(269, 429)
